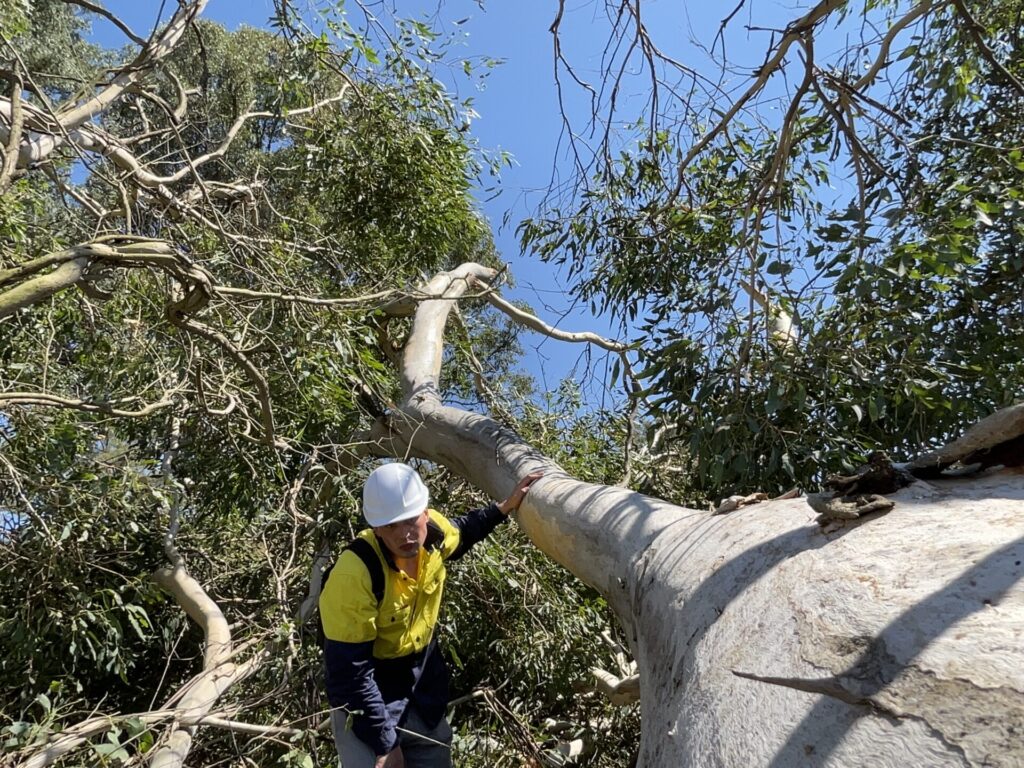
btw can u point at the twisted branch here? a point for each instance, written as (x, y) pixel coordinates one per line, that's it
(107, 409)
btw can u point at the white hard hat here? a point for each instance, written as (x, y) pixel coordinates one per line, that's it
(393, 492)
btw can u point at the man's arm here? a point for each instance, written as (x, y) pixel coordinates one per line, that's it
(351, 685)
(348, 611)
(473, 527)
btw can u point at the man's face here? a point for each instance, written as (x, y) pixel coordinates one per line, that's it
(405, 538)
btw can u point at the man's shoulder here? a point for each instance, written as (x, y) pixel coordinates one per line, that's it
(351, 564)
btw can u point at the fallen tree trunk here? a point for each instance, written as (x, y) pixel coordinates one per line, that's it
(761, 639)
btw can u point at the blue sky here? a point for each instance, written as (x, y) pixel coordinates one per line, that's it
(519, 110)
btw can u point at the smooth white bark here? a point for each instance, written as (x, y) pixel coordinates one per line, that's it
(897, 640)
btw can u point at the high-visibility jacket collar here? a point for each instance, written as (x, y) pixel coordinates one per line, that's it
(434, 541)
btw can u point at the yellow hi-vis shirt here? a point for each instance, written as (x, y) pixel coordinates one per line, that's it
(404, 621)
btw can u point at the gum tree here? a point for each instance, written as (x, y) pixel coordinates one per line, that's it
(205, 336)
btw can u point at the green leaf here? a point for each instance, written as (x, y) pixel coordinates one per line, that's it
(873, 409)
(44, 701)
(134, 726)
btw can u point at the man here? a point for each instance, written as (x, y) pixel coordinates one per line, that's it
(387, 681)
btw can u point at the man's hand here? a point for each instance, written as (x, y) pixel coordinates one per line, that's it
(393, 759)
(512, 502)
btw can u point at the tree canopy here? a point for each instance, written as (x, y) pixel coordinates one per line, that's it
(197, 256)
(211, 246)
(821, 255)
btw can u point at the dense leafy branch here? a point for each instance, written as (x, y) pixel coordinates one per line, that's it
(818, 186)
(228, 234)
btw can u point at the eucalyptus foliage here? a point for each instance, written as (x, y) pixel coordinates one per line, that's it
(878, 210)
(158, 414)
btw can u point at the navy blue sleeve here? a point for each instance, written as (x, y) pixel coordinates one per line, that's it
(351, 686)
(474, 527)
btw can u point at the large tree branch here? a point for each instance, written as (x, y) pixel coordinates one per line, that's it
(73, 265)
(219, 672)
(159, 46)
(191, 596)
(494, 457)
(55, 128)
(421, 365)
(194, 288)
(124, 247)
(42, 287)
(691, 588)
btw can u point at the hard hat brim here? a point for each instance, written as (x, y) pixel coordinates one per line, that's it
(395, 518)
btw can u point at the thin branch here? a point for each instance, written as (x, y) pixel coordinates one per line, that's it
(262, 389)
(95, 140)
(55, 401)
(852, 139)
(295, 298)
(825, 686)
(98, 9)
(634, 396)
(179, 111)
(19, 491)
(219, 672)
(239, 727)
(882, 59)
(17, 123)
(977, 34)
(535, 323)
(78, 735)
(75, 193)
(794, 32)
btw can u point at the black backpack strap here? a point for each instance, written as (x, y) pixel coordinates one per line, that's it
(364, 551)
